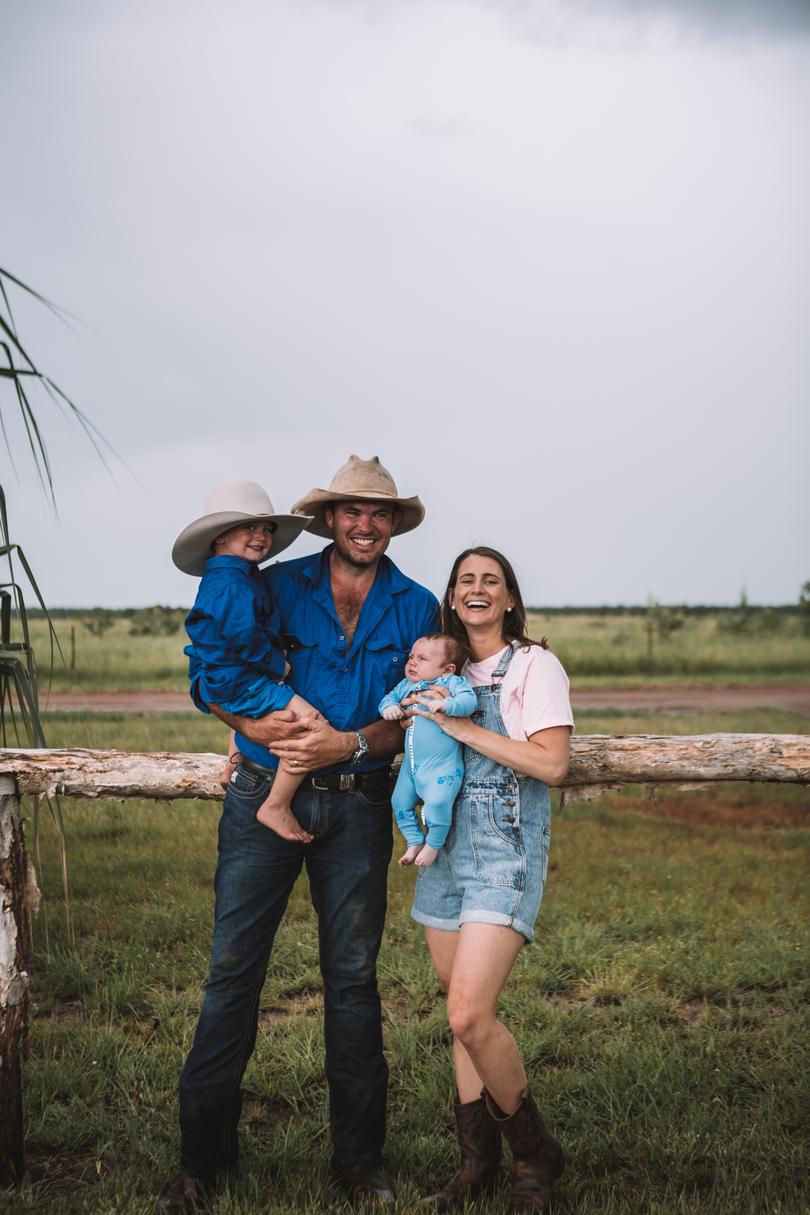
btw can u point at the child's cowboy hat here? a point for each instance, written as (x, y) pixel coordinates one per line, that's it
(229, 504)
(359, 481)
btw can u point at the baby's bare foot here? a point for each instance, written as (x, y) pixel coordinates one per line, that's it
(280, 818)
(410, 854)
(427, 856)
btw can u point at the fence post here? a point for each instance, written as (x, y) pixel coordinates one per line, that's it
(13, 980)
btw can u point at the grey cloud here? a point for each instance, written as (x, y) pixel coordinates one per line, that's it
(747, 19)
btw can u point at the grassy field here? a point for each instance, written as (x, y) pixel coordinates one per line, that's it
(663, 1009)
(617, 650)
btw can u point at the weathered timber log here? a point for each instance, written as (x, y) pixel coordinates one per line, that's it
(13, 981)
(596, 760)
(703, 758)
(80, 772)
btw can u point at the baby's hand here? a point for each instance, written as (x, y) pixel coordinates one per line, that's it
(392, 713)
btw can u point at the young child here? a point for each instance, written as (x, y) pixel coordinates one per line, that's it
(432, 768)
(236, 658)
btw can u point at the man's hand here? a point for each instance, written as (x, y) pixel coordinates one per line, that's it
(315, 745)
(282, 724)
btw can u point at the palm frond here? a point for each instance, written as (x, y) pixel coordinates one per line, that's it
(18, 367)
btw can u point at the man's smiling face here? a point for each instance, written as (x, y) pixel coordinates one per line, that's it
(361, 530)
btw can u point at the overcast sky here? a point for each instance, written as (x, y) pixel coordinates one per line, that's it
(549, 261)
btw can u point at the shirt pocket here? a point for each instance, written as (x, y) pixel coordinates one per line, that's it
(302, 652)
(387, 659)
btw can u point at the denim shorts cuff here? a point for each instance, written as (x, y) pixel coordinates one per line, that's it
(433, 921)
(476, 916)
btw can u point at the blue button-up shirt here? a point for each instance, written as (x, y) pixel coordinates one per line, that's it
(345, 683)
(234, 631)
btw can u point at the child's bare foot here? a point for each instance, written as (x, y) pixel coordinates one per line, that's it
(427, 856)
(280, 818)
(410, 854)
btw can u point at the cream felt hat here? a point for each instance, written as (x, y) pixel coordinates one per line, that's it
(229, 504)
(359, 481)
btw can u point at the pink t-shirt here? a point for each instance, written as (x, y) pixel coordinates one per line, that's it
(534, 691)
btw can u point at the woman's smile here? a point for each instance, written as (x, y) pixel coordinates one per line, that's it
(480, 594)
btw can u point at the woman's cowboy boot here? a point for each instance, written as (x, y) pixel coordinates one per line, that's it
(537, 1156)
(479, 1169)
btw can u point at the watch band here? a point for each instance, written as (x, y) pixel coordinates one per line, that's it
(362, 748)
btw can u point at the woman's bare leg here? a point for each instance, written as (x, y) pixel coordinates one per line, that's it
(473, 967)
(442, 948)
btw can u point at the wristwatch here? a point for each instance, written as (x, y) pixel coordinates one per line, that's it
(362, 748)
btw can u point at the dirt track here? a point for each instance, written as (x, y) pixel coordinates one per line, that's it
(792, 698)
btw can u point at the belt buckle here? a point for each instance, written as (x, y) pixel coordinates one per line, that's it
(346, 782)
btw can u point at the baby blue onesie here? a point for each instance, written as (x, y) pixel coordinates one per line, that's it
(432, 768)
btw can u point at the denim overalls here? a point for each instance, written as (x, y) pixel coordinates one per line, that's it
(493, 867)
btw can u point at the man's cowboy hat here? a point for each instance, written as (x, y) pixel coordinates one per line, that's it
(359, 481)
(229, 504)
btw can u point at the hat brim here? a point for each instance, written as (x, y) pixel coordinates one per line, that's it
(192, 548)
(316, 502)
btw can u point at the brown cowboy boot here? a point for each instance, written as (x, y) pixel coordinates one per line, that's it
(479, 1169)
(536, 1155)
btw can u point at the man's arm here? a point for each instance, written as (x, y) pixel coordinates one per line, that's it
(264, 730)
(322, 745)
(310, 742)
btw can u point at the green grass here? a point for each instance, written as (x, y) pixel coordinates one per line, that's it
(595, 650)
(613, 650)
(662, 1011)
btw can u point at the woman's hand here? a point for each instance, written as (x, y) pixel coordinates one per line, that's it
(435, 692)
(544, 756)
(463, 729)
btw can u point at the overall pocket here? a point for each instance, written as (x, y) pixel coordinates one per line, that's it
(497, 843)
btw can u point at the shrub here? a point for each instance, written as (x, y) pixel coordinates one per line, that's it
(155, 622)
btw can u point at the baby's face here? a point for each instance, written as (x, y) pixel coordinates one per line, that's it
(427, 660)
(250, 541)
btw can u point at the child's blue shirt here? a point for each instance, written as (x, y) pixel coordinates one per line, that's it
(234, 632)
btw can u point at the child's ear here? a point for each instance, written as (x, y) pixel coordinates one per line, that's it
(450, 668)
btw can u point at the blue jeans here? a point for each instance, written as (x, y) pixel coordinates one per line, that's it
(347, 866)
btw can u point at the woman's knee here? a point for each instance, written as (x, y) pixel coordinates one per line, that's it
(470, 1023)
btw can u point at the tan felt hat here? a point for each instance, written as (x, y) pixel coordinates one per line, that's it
(229, 504)
(359, 481)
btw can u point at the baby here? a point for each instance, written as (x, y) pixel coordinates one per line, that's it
(432, 768)
(236, 658)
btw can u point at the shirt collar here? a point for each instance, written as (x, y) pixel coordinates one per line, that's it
(226, 561)
(388, 577)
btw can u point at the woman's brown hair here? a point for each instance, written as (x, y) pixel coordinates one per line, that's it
(514, 621)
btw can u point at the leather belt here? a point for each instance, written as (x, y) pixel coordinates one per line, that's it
(345, 782)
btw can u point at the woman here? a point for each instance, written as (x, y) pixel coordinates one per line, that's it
(479, 899)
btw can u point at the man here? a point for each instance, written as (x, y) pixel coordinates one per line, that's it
(348, 618)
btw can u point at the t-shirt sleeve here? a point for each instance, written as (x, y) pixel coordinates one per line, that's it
(546, 701)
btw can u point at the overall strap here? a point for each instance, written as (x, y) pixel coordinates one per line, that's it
(503, 663)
